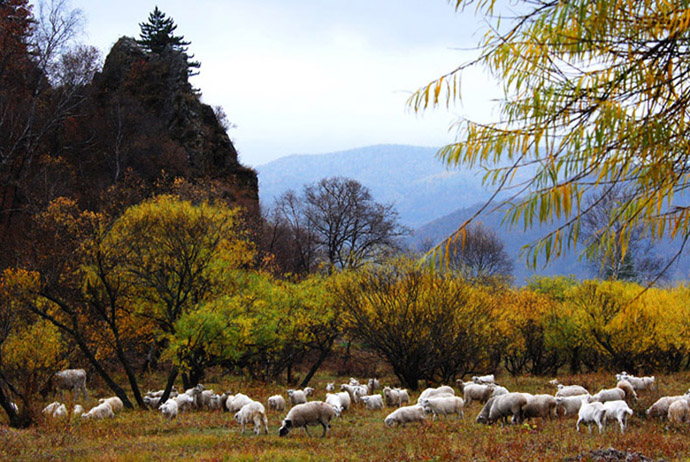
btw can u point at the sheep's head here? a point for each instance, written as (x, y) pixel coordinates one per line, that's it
(285, 428)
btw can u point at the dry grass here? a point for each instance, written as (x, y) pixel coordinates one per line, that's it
(359, 435)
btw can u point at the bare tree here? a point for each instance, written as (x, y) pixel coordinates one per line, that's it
(481, 256)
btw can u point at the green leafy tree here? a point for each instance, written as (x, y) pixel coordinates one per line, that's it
(158, 35)
(596, 97)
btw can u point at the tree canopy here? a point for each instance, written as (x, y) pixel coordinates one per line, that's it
(596, 97)
(158, 34)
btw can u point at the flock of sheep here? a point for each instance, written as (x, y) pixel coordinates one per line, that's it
(499, 404)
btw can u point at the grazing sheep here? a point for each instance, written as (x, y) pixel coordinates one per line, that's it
(617, 410)
(661, 406)
(236, 403)
(159, 393)
(345, 401)
(373, 385)
(638, 383)
(444, 390)
(484, 379)
(543, 406)
(498, 391)
(512, 404)
(611, 394)
(443, 405)
(195, 393)
(101, 411)
(60, 412)
(184, 402)
(351, 390)
(571, 390)
(330, 387)
(169, 409)
(152, 402)
(217, 402)
(570, 405)
(78, 410)
(630, 395)
(115, 403)
(334, 400)
(205, 399)
(297, 397)
(404, 396)
(590, 413)
(391, 397)
(353, 382)
(276, 403)
(252, 412)
(679, 411)
(50, 409)
(373, 402)
(405, 415)
(477, 392)
(303, 415)
(74, 379)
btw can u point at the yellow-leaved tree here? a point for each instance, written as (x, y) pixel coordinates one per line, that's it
(596, 97)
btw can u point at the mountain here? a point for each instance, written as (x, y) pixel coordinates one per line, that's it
(409, 177)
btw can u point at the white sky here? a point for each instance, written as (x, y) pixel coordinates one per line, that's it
(314, 76)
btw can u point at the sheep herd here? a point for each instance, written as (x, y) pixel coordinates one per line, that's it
(499, 404)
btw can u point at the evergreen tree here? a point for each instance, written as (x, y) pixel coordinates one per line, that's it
(159, 33)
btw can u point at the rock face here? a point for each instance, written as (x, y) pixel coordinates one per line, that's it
(159, 85)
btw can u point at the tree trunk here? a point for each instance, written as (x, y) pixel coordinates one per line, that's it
(168, 386)
(315, 367)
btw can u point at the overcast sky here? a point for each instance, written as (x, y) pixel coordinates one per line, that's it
(314, 76)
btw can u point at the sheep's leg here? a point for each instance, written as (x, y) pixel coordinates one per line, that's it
(265, 420)
(306, 429)
(325, 429)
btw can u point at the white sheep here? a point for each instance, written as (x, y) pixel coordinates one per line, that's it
(373, 402)
(308, 391)
(395, 396)
(297, 397)
(114, 402)
(101, 411)
(661, 406)
(590, 413)
(159, 393)
(152, 402)
(477, 392)
(353, 390)
(571, 390)
(611, 394)
(252, 412)
(205, 399)
(74, 379)
(78, 410)
(345, 401)
(334, 400)
(503, 406)
(217, 402)
(303, 415)
(235, 403)
(184, 402)
(353, 382)
(276, 403)
(443, 390)
(499, 390)
(373, 385)
(169, 409)
(638, 383)
(404, 415)
(484, 379)
(617, 410)
(679, 411)
(195, 393)
(570, 405)
(50, 409)
(630, 395)
(543, 406)
(330, 387)
(60, 412)
(443, 405)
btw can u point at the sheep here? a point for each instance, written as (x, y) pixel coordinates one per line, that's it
(498, 391)
(661, 406)
(74, 379)
(216, 403)
(443, 405)
(101, 411)
(152, 402)
(115, 403)
(235, 403)
(638, 383)
(571, 390)
(60, 412)
(297, 397)
(169, 409)
(276, 403)
(611, 394)
(543, 406)
(395, 396)
(330, 387)
(590, 413)
(461, 385)
(679, 411)
(345, 401)
(308, 391)
(630, 395)
(50, 409)
(404, 415)
(505, 405)
(570, 405)
(351, 390)
(78, 410)
(204, 400)
(443, 390)
(373, 385)
(335, 402)
(14, 407)
(373, 402)
(353, 382)
(184, 402)
(303, 415)
(617, 410)
(252, 412)
(554, 382)
(477, 392)
(195, 393)
(159, 393)
(484, 379)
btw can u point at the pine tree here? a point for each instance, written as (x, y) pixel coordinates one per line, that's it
(159, 33)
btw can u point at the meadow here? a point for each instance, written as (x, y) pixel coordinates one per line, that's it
(359, 435)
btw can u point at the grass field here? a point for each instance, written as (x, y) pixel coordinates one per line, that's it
(359, 435)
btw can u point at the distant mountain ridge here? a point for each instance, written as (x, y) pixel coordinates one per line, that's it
(410, 177)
